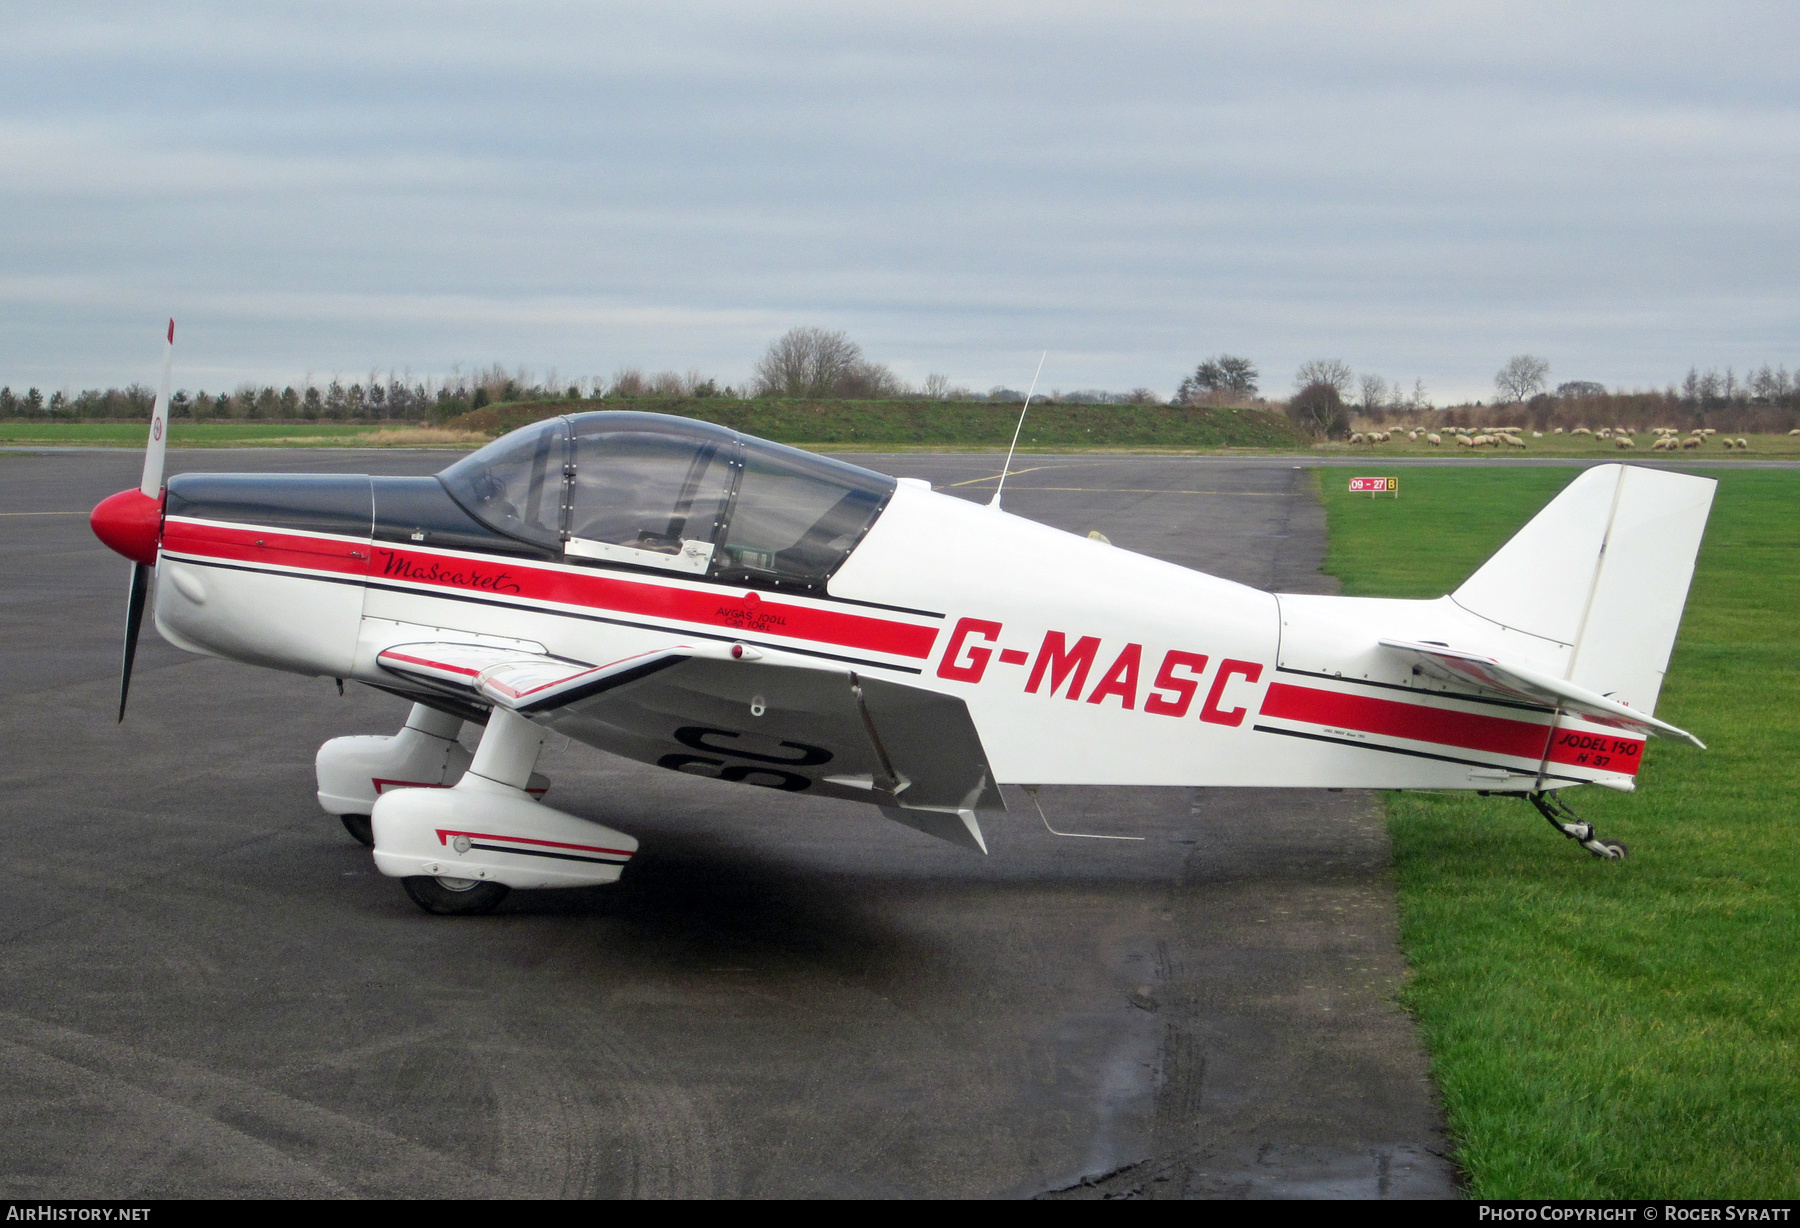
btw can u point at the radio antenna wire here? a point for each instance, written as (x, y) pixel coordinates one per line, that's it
(995, 502)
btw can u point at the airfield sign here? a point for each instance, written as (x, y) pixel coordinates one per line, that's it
(1375, 486)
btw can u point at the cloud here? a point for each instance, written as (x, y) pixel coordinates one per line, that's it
(1422, 189)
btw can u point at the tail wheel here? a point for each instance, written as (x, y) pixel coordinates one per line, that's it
(454, 897)
(361, 828)
(1614, 850)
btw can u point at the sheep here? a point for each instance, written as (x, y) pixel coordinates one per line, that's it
(1437, 441)
(1795, 431)
(1355, 438)
(1624, 441)
(1412, 437)
(1743, 443)
(1537, 434)
(1512, 441)
(1690, 443)
(1463, 441)
(1557, 431)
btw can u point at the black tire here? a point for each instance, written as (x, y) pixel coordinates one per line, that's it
(361, 828)
(437, 895)
(1618, 850)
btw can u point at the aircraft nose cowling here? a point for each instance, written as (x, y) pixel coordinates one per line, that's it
(129, 522)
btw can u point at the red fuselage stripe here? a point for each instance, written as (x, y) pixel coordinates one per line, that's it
(1441, 726)
(728, 608)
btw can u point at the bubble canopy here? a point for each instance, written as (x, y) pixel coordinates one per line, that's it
(672, 494)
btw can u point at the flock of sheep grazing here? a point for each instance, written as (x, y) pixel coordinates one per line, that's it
(1668, 438)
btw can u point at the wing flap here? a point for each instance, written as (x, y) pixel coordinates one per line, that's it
(803, 728)
(1521, 682)
(757, 717)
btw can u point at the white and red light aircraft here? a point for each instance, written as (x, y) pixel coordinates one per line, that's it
(691, 597)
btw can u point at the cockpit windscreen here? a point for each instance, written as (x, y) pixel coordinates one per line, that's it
(515, 484)
(671, 494)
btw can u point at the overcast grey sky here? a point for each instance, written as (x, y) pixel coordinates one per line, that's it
(1419, 189)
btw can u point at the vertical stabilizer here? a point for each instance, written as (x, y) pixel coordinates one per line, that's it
(1604, 569)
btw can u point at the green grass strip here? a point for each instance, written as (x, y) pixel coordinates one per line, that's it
(132, 434)
(1598, 1029)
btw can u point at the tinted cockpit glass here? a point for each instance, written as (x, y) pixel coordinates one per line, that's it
(515, 484)
(649, 483)
(651, 491)
(797, 517)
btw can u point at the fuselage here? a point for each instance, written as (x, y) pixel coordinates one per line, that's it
(1079, 663)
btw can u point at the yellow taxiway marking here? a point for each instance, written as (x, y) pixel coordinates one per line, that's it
(1107, 490)
(995, 477)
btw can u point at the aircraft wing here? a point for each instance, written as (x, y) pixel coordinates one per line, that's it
(755, 716)
(1533, 686)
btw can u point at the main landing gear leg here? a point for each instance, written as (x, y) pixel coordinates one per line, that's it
(509, 750)
(459, 850)
(354, 771)
(1557, 812)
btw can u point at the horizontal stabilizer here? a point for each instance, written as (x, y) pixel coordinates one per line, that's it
(1521, 682)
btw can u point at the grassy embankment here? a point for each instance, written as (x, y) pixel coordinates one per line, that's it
(853, 425)
(1605, 1029)
(972, 426)
(965, 425)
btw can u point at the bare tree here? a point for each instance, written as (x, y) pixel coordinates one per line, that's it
(1334, 373)
(806, 362)
(1228, 374)
(1318, 408)
(1522, 377)
(1373, 392)
(869, 381)
(936, 387)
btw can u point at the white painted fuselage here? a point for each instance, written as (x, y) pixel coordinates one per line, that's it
(1079, 663)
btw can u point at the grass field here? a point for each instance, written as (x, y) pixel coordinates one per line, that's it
(202, 434)
(1780, 446)
(237, 434)
(1604, 1029)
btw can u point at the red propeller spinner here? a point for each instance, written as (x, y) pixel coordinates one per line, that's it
(129, 522)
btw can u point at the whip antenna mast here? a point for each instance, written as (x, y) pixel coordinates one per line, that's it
(1015, 443)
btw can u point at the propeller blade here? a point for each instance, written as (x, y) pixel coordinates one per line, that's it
(134, 621)
(159, 425)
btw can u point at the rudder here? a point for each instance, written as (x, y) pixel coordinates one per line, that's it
(1603, 571)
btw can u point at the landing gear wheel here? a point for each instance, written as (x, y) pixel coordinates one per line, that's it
(454, 897)
(361, 828)
(1563, 820)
